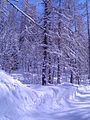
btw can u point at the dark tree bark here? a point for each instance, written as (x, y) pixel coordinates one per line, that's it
(71, 78)
(45, 42)
(88, 29)
(59, 31)
(49, 73)
(58, 72)
(44, 59)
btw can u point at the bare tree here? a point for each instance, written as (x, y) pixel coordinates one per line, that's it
(88, 30)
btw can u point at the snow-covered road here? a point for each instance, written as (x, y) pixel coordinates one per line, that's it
(73, 114)
(35, 102)
(76, 107)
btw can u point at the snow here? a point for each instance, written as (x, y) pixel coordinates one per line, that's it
(36, 102)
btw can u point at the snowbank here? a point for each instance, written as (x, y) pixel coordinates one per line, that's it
(19, 102)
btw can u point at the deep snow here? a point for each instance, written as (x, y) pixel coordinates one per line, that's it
(36, 102)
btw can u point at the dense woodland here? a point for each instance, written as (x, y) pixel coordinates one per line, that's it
(48, 46)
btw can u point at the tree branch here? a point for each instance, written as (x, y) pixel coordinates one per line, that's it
(26, 15)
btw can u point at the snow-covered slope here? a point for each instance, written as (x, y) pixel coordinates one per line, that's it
(21, 102)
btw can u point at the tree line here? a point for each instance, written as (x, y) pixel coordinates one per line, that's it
(49, 45)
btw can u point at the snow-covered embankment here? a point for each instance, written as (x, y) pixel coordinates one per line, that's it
(19, 102)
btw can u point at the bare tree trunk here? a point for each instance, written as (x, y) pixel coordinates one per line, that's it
(44, 60)
(50, 79)
(45, 43)
(59, 31)
(88, 29)
(71, 78)
(58, 73)
(78, 79)
(75, 16)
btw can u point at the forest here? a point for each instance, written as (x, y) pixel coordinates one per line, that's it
(45, 40)
(44, 59)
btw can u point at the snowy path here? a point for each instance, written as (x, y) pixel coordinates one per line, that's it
(63, 102)
(78, 108)
(75, 114)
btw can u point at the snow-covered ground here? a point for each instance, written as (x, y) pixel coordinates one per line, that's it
(36, 102)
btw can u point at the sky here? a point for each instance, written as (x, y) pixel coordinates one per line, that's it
(40, 6)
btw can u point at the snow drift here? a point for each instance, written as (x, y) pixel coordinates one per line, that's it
(21, 102)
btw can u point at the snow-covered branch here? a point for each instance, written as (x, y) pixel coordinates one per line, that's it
(25, 15)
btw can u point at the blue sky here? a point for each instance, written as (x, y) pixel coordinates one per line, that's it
(39, 3)
(40, 7)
